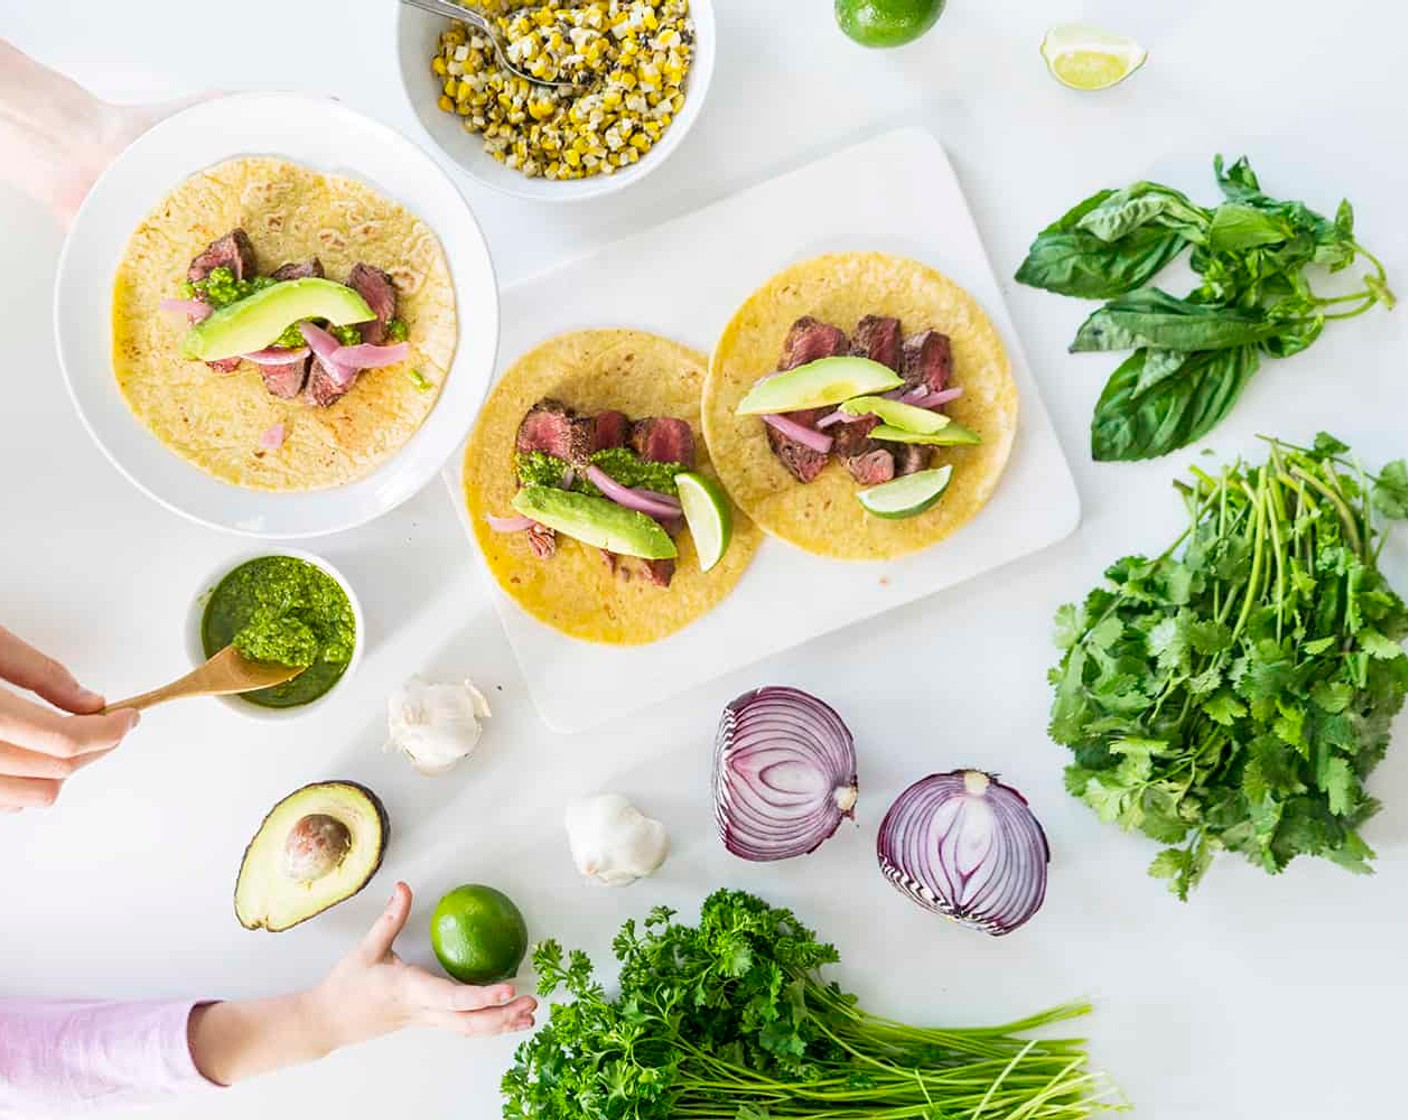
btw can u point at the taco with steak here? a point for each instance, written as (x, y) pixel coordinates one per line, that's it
(281, 328)
(592, 495)
(860, 406)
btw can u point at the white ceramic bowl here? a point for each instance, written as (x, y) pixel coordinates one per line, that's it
(418, 37)
(320, 133)
(195, 648)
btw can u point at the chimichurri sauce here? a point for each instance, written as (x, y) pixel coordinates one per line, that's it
(286, 610)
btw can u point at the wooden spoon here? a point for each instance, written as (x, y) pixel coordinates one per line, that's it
(229, 671)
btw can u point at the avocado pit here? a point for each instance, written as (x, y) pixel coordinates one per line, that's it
(316, 846)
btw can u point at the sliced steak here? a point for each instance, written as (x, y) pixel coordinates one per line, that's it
(323, 388)
(663, 439)
(377, 288)
(286, 381)
(553, 428)
(866, 459)
(225, 365)
(877, 337)
(811, 339)
(658, 572)
(928, 360)
(609, 430)
(808, 340)
(854, 438)
(802, 461)
(298, 270)
(909, 457)
(872, 467)
(542, 541)
(233, 251)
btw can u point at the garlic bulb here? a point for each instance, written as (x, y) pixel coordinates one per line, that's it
(435, 725)
(613, 843)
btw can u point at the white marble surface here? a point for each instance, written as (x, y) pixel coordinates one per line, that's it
(1263, 998)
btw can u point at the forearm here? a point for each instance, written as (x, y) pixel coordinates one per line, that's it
(55, 136)
(243, 1038)
(57, 1055)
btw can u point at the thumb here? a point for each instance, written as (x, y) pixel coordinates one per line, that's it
(379, 939)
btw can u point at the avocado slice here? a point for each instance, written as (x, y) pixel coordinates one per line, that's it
(897, 414)
(949, 435)
(317, 847)
(254, 322)
(817, 384)
(596, 521)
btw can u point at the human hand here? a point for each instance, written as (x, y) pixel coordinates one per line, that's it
(369, 992)
(41, 748)
(56, 137)
(372, 991)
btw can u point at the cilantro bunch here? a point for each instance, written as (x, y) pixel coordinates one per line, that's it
(730, 1020)
(1235, 692)
(1255, 257)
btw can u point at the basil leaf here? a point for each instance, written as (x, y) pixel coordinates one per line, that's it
(1238, 181)
(1236, 226)
(1155, 318)
(1081, 265)
(1139, 204)
(1158, 364)
(1172, 412)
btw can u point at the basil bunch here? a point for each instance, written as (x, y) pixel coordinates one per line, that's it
(1192, 356)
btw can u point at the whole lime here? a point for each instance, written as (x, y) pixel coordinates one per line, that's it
(887, 23)
(478, 934)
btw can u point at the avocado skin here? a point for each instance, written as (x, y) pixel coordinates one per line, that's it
(344, 783)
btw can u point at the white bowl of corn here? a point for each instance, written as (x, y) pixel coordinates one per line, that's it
(642, 68)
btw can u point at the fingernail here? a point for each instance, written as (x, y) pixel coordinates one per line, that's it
(89, 698)
(135, 719)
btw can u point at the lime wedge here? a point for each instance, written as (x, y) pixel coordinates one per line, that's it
(817, 384)
(950, 435)
(906, 496)
(898, 414)
(1087, 58)
(708, 515)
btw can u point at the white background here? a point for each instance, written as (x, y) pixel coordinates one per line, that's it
(1262, 998)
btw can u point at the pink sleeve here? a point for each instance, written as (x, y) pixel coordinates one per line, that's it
(73, 1056)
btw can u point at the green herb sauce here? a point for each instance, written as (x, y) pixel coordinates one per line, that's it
(397, 331)
(348, 335)
(538, 468)
(285, 610)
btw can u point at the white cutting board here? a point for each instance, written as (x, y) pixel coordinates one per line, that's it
(897, 194)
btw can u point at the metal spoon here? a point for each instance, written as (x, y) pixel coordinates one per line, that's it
(490, 31)
(225, 673)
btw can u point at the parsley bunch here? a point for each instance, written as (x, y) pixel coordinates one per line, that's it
(729, 1020)
(1235, 692)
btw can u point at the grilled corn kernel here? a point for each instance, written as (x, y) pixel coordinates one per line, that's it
(632, 57)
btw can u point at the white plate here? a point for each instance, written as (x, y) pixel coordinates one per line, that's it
(684, 280)
(323, 134)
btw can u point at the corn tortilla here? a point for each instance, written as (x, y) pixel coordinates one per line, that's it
(574, 591)
(824, 516)
(291, 213)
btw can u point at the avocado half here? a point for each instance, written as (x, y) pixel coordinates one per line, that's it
(317, 847)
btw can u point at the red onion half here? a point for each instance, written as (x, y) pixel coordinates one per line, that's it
(966, 846)
(784, 774)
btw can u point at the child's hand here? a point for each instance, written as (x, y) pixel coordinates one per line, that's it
(371, 991)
